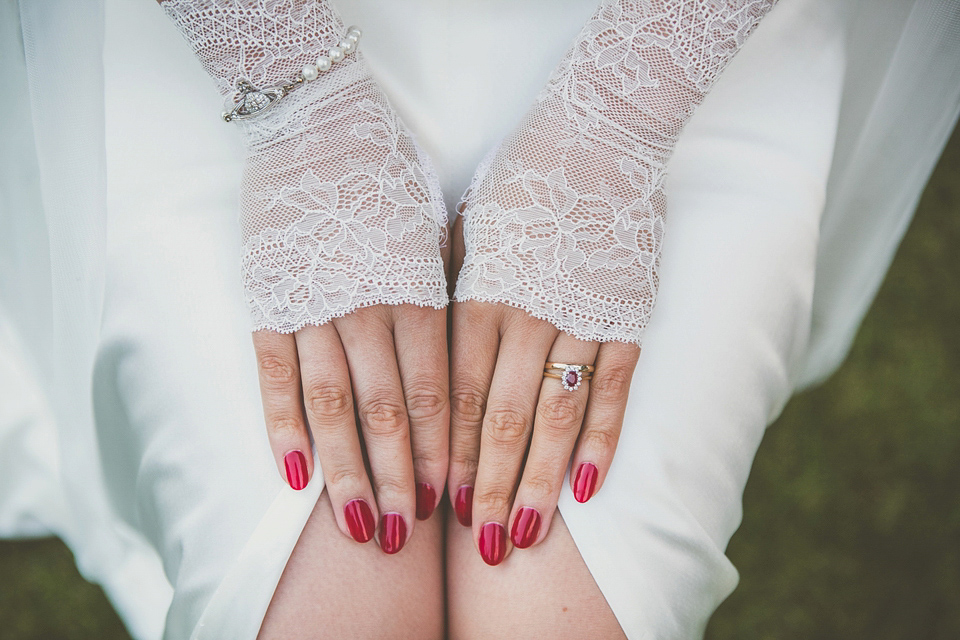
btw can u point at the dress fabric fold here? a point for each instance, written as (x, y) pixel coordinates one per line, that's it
(130, 422)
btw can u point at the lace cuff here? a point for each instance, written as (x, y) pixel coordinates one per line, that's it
(340, 209)
(566, 219)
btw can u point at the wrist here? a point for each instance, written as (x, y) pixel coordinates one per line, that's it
(264, 43)
(319, 106)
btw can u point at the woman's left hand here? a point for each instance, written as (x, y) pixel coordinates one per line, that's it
(501, 403)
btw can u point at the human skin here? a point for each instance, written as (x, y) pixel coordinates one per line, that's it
(514, 431)
(438, 586)
(379, 373)
(371, 389)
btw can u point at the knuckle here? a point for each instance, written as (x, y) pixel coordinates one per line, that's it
(561, 413)
(389, 484)
(277, 371)
(506, 427)
(492, 500)
(430, 463)
(426, 401)
(540, 484)
(285, 426)
(383, 417)
(464, 465)
(467, 406)
(429, 460)
(343, 477)
(600, 439)
(613, 384)
(329, 401)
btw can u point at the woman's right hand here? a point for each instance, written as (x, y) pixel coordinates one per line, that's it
(386, 367)
(342, 223)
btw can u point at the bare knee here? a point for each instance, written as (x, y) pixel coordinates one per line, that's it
(543, 592)
(333, 587)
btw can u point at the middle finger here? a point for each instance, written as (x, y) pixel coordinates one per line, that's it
(328, 400)
(372, 360)
(506, 428)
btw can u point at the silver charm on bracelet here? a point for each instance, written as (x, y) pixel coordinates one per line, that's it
(253, 102)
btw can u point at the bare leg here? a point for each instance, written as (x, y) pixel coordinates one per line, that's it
(542, 592)
(333, 587)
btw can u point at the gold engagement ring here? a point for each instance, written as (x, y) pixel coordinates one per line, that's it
(570, 375)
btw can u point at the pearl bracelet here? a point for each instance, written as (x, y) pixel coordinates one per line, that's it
(253, 101)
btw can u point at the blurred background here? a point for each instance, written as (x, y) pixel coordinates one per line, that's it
(851, 516)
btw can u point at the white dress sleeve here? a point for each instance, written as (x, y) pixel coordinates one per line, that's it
(340, 209)
(566, 218)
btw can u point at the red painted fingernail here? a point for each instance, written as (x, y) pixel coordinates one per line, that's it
(360, 520)
(426, 500)
(493, 543)
(393, 532)
(526, 527)
(463, 505)
(585, 482)
(296, 467)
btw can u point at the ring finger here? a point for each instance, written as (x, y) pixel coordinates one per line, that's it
(556, 426)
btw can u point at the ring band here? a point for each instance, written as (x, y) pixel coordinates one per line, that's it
(570, 375)
(586, 368)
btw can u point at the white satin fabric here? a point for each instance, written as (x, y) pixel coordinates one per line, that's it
(130, 421)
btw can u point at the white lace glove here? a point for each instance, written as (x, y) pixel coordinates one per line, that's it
(565, 219)
(339, 207)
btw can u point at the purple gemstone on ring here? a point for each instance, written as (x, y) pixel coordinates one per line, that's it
(571, 378)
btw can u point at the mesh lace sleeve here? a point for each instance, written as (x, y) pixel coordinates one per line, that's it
(565, 219)
(340, 209)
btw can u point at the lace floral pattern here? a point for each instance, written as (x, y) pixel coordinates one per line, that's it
(566, 218)
(340, 209)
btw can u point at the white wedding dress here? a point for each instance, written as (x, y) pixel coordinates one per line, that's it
(130, 422)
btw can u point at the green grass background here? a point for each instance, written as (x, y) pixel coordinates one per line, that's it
(852, 523)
